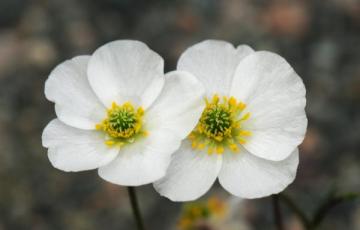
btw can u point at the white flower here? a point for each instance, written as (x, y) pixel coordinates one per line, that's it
(118, 112)
(248, 133)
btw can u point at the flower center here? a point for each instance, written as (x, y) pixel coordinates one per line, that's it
(216, 122)
(220, 126)
(122, 124)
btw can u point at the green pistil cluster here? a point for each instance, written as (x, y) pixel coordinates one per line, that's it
(217, 120)
(122, 119)
(220, 126)
(122, 124)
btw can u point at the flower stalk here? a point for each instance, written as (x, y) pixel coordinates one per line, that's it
(135, 208)
(277, 212)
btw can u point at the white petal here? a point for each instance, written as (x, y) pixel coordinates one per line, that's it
(275, 96)
(126, 70)
(179, 106)
(190, 174)
(213, 63)
(72, 149)
(243, 51)
(248, 176)
(170, 119)
(75, 102)
(143, 161)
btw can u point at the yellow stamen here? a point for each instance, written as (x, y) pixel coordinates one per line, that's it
(234, 147)
(219, 149)
(232, 101)
(210, 150)
(241, 106)
(201, 146)
(145, 133)
(194, 144)
(123, 124)
(245, 117)
(220, 126)
(215, 99)
(245, 133)
(242, 141)
(109, 143)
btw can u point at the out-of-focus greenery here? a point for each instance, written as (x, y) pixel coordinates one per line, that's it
(320, 39)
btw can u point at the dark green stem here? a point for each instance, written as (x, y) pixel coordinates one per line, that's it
(135, 208)
(277, 212)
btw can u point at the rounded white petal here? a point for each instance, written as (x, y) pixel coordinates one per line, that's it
(75, 102)
(126, 70)
(143, 161)
(275, 97)
(72, 149)
(243, 51)
(213, 63)
(248, 176)
(179, 106)
(190, 174)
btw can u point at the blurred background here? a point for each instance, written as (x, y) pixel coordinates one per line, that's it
(320, 39)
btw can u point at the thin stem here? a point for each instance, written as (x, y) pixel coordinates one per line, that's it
(331, 201)
(135, 208)
(277, 212)
(297, 210)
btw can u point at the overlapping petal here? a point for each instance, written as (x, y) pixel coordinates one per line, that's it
(126, 70)
(72, 149)
(190, 174)
(143, 161)
(248, 176)
(75, 102)
(121, 71)
(179, 106)
(169, 120)
(275, 96)
(213, 62)
(242, 51)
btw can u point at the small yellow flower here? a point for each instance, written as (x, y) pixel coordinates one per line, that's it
(201, 212)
